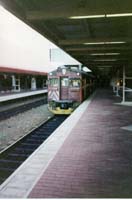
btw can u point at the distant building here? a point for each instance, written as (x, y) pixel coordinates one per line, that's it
(18, 80)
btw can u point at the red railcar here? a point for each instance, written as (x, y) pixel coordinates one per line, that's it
(67, 88)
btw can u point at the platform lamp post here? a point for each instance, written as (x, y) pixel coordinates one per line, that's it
(117, 89)
(117, 84)
(123, 88)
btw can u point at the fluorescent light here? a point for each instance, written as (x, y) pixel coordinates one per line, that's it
(116, 42)
(105, 60)
(101, 16)
(87, 16)
(112, 53)
(119, 15)
(90, 43)
(103, 54)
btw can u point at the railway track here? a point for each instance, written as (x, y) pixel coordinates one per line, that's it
(19, 109)
(14, 156)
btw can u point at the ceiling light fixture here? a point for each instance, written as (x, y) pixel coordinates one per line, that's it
(103, 54)
(105, 60)
(87, 16)
(116, 42)
(90, 43)
(119, 15)
(101, 16)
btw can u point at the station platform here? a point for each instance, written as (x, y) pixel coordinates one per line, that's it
(88, 156)
(18, 95)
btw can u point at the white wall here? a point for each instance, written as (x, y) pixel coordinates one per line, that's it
(22, 47)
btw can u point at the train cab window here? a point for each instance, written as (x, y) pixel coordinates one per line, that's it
(75, 82)
(53, 82)
(64, 82)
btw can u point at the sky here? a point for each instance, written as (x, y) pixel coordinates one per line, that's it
(24, 48)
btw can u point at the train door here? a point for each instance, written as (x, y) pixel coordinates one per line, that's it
(53, 89)
(64, 88)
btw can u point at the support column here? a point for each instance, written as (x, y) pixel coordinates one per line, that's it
(13, 82)
(124, 83)
(117, 90)
(33, 83)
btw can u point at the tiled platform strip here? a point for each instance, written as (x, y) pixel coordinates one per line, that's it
(95, 161)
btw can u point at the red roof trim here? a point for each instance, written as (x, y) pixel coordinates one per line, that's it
(21, 71)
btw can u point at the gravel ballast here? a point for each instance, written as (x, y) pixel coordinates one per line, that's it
(17, 126)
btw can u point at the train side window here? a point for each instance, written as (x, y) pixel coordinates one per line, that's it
(53, 82)
(75, 82)
(64, 82)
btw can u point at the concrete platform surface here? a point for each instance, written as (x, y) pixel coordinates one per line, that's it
(8, 97)
(88, 156)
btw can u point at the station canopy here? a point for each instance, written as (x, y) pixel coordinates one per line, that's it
(98, 33)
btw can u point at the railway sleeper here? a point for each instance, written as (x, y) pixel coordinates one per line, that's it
(10, 161)
(28, 142)
(25, 145)
(34, 141)
(20, 150)
(44, 133)
(39, 137)
(20, 155)
(7, 169)
(17, 158)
